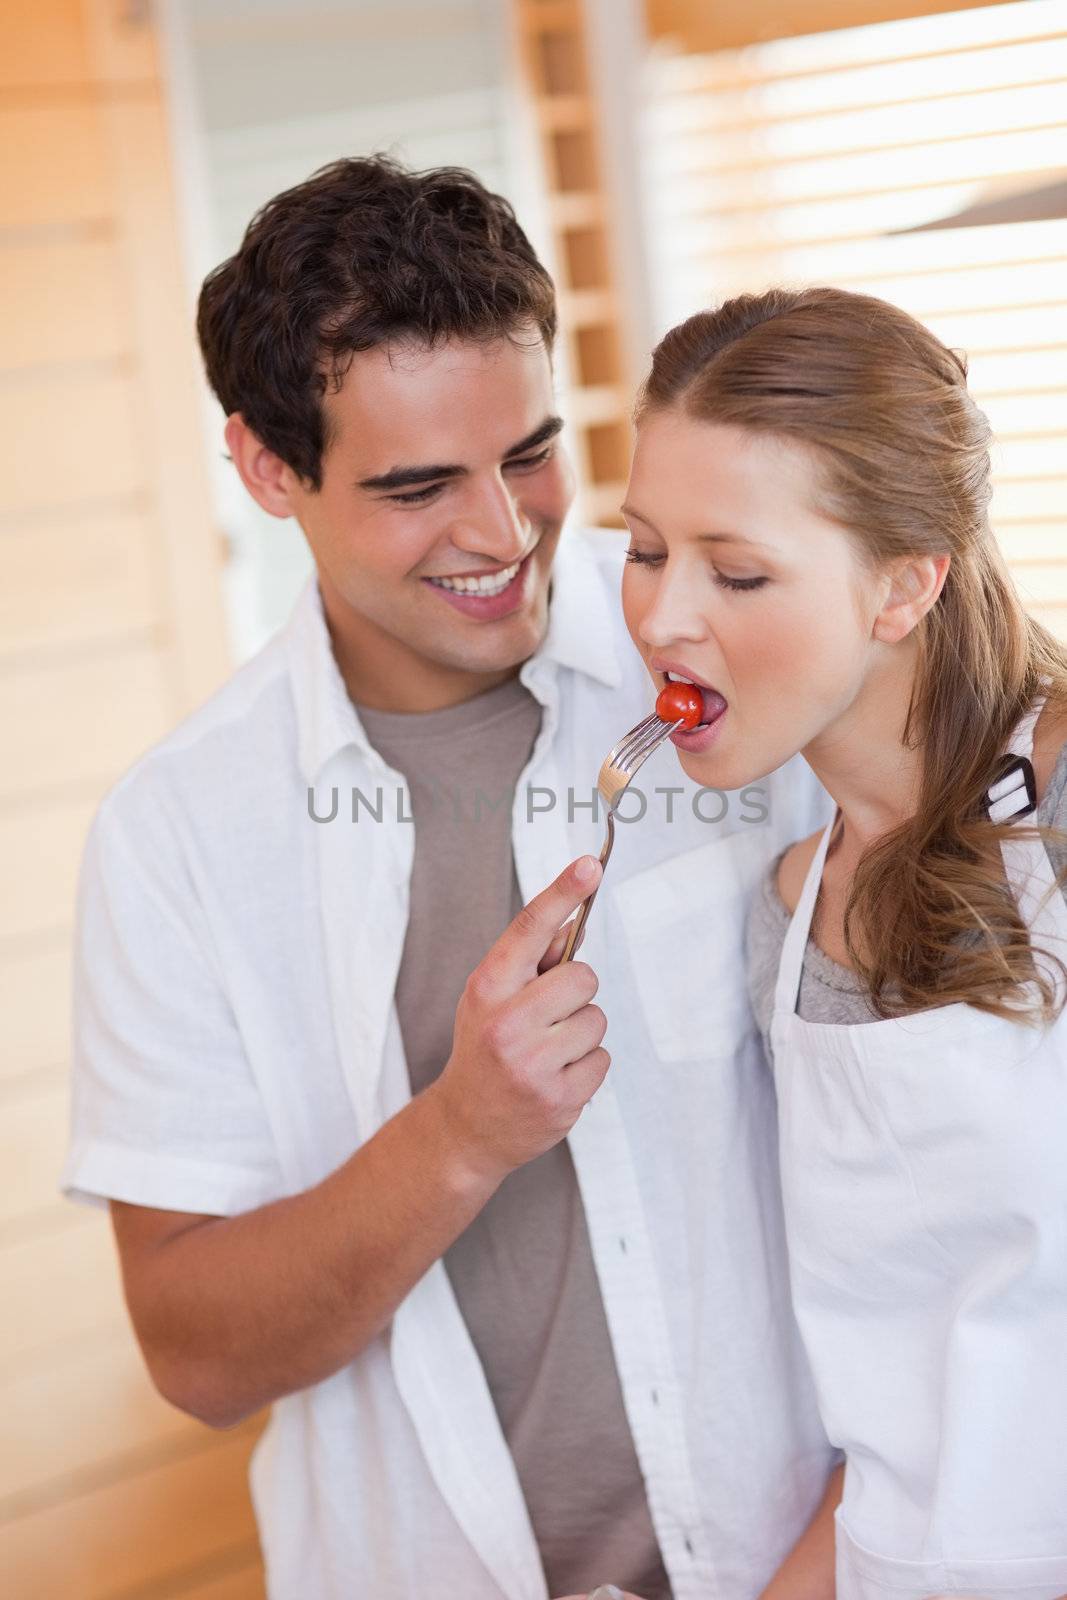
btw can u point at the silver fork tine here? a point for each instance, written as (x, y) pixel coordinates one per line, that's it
(644, 747)
(634, 733)
(635, 739)
(622, 763)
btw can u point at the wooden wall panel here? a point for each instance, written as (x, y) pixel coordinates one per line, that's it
(34, 1009)
(71, 437)
(100, 580)
(40, 851)
(83, 1418)
(81, 1548)
(79, 720)
(44, 44)
(563, 98)
(60, 1287)
(170, 398)
(69, 301)
(58, 173)
(111, 629)
(244, 1585)
(32, 1139)
(699, 25)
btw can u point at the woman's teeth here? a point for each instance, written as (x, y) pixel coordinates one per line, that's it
(491, 583)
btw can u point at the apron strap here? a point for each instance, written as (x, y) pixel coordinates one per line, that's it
(1022, 740)
(1027, 865)
(791, 965)
(1014, 793)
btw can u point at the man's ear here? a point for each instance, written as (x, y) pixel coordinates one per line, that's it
(270, 482)
(914, 586)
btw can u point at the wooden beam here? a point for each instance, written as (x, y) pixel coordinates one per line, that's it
(698, 26)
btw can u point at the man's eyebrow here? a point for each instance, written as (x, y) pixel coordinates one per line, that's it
(413, 477)
(701, 538)
(409, 477)
(548, 430)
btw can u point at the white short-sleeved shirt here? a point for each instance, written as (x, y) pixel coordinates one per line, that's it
(236, 1040)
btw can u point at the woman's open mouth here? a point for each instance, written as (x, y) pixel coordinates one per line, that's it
(702, 737)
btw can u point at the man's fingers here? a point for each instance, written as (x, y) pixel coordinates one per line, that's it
(554, 954)
(518, 952)
(584, 1077)
(560, 993)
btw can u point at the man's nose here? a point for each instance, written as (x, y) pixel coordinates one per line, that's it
(492, 523)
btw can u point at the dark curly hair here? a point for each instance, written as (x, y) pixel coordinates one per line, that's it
(364, 252)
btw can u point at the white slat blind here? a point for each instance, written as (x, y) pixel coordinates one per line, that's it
(801, 161)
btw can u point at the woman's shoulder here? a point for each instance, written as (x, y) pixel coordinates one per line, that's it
(792, 869)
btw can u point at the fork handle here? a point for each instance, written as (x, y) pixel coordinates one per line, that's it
(582, 916)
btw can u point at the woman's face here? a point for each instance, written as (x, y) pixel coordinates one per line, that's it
(736, 582)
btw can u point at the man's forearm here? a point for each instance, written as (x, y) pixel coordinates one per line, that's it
(807, 1573)
(234, 1312)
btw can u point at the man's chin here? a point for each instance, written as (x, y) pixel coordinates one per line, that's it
(507, 651)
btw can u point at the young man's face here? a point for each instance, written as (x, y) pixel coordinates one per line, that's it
(443, 466)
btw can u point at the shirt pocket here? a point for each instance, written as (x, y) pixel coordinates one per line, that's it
(683, 923)
(863, 1574)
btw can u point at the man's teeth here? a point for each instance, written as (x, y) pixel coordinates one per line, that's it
(492, 583)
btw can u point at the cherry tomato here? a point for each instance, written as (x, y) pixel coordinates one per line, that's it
(681, 700)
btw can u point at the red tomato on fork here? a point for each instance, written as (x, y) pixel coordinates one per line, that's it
(682, 701)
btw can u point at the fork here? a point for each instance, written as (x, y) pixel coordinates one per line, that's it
(616, 773)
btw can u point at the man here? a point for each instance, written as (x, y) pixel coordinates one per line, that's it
(521, 1337)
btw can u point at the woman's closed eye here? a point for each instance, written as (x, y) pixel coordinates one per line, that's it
(647, 558)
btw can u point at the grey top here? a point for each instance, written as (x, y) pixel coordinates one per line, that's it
(522, 1272)
(830, 992)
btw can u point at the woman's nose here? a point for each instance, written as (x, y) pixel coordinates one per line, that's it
(672, 615)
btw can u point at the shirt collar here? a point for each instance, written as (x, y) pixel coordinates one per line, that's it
(581, 636)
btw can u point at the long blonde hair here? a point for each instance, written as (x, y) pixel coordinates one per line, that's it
(902, 453)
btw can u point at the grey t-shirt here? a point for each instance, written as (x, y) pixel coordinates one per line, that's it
(830, 992)
(523, 1271)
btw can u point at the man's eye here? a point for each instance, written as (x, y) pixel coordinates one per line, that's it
(421, 497)
(530, 462)
(415, 497)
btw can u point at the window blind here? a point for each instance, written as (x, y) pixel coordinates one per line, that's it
(814, 160)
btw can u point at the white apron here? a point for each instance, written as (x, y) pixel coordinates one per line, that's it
(924, 1174)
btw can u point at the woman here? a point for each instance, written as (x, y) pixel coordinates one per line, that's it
(810, 545)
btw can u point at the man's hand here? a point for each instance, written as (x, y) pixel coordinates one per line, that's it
(233, 1312)
(526, 1051)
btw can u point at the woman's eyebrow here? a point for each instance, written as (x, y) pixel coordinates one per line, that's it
(412, 477)
(731, 538)
(701, 538)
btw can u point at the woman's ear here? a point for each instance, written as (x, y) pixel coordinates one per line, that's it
(914, 585)
(268, 479)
